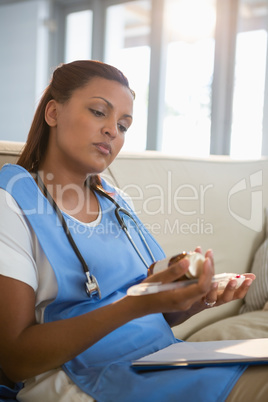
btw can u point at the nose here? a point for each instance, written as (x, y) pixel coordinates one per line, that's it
(110, 128)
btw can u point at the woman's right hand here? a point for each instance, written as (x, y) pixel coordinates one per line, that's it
(180, 299)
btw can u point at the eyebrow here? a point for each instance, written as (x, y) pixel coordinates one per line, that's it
(110, 105)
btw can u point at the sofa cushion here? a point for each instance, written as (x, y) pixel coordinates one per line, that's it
(250, 325)
(257, 295)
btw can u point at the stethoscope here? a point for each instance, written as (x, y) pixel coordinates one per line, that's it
(91, 284)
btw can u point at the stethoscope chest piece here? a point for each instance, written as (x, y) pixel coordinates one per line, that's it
(92, 286)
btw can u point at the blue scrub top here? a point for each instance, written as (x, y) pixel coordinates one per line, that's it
(104, 370)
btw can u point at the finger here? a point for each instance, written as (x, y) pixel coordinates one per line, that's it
(208, 269)
(208, 265)
(241, 292)
(228, 293)
(212, 295)
(209, 254)
(250, 275)
(206, 275)
(173, 273)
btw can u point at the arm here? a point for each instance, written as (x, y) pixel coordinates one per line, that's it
(28, 348)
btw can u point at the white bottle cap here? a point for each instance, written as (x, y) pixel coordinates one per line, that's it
(196, 264)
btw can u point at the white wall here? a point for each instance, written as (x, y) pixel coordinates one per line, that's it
(23, 55)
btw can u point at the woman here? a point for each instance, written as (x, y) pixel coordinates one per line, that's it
(68, 342)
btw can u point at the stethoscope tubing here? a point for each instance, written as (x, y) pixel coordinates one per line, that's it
(121, 222)
(92, 286)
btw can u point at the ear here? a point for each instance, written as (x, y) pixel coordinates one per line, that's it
(51, 113)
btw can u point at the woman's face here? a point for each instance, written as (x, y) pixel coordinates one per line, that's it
(88, 130)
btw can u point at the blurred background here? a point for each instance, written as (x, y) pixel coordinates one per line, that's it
(198, 67)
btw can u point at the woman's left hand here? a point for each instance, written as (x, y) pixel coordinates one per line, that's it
(217, 297)
(214, 297)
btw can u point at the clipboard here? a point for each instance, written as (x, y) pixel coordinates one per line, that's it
(203, 354)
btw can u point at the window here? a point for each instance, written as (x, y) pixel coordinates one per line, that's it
(189, 75)
(78, 36)
(127, 47)
(249, 83)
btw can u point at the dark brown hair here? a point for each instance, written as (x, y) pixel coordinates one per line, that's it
(65, 80)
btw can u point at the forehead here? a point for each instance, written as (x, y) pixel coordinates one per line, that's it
(113, 91)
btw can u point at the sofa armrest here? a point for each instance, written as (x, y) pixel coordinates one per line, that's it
(9, 151)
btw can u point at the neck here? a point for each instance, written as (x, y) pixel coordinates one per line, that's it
(52, 176)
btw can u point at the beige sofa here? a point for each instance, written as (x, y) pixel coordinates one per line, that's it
(216, 203)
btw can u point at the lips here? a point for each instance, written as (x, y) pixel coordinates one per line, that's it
(103, 147)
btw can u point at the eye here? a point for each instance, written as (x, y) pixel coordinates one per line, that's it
(122, 128)
(97, 113)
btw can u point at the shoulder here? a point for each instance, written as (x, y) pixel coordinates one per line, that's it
(13, 223)
(8, 206)
(16, 242)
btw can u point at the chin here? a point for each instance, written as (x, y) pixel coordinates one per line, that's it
(97, 168)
